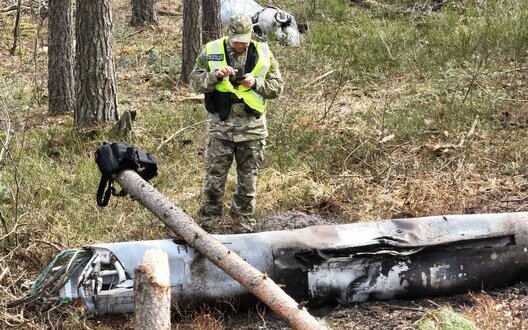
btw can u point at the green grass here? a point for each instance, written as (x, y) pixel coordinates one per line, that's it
(445, 319)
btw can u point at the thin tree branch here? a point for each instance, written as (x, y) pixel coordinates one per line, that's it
(178, 132)
(7, 121)
(13, 231)
(38, 89)
(17, 184)
(321, 77)
(337, 88)
(169, 13)
(9, 9)
(3, 222)
(57, 246)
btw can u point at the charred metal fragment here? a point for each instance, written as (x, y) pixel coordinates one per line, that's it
(402, 258)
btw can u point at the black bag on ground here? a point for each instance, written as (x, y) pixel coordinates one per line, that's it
(113, 158)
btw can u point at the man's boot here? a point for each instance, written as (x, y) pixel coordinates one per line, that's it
(244, 223)
(209, 221)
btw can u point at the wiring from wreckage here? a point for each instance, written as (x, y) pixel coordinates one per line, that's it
(51, 279)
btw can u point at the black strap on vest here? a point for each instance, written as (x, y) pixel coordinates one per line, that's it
(221, 103)
(115, 157)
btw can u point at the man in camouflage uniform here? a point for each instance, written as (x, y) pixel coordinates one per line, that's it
(237, 123)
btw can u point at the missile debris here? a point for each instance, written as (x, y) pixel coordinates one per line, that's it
(350, 263)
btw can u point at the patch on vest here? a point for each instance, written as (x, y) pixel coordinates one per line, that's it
(215, 57)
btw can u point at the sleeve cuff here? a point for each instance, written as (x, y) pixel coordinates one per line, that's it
(212, 79)
(258, 84)
(213, 76)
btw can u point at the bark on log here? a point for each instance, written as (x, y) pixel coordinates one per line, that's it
(152, 292)
(253, 280)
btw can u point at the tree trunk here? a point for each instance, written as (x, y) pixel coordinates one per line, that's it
(253, 280)
(16, 29)
(61, 90)
(143, 12)
(152, 293)
(192, 36)
(95, 83)
(211, 23)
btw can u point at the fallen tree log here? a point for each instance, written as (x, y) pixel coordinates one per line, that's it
(13, 8)
(184, 226)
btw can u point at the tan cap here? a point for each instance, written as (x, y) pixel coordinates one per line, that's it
(240, 28)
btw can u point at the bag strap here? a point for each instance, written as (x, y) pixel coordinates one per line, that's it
(104, 196)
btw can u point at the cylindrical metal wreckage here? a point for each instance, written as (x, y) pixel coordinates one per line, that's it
(350, 263)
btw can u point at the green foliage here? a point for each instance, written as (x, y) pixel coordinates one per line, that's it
(445, 319)
(386, 44)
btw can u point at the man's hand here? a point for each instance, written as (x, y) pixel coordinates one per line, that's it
(225, 72)
(249, 81)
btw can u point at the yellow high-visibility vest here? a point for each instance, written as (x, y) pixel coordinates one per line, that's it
(216, 57)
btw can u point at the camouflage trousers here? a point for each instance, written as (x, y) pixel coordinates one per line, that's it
(219, 157)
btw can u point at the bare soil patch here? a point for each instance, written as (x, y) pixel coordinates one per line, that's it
(293, 220)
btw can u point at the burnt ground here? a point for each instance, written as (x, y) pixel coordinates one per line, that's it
(495, 309)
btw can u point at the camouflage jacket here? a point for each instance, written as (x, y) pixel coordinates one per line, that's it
(241, 125)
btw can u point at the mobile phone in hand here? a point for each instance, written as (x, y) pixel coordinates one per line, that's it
(240, 75)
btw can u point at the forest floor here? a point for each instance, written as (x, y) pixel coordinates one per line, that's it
(509, 305)
(412, 115)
